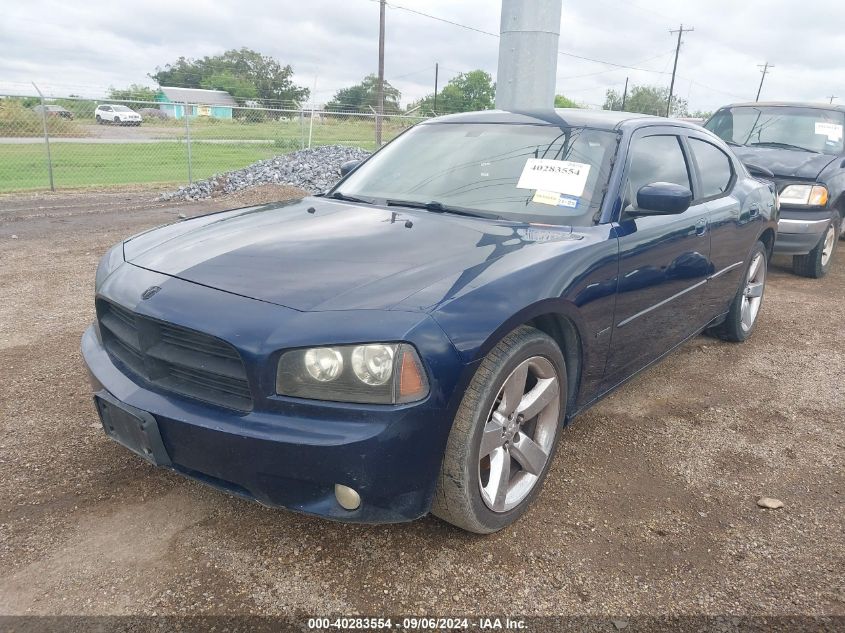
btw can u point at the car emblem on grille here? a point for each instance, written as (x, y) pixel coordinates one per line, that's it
(149, 292)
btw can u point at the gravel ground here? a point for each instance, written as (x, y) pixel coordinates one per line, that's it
(313, 170)
(650, 506)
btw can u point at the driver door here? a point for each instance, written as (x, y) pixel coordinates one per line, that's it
(664, 260)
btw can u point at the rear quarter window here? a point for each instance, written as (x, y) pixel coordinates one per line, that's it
(714, 168)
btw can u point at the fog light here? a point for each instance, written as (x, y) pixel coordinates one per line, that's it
(347, 497)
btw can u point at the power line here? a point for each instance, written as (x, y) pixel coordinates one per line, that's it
(496, 35)
(613, 70)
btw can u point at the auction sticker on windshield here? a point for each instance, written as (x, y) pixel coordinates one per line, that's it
(833, 131)
(558, 176)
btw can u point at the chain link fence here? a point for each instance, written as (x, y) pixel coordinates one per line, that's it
(74, 142)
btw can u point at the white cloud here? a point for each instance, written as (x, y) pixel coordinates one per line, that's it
(83, 48)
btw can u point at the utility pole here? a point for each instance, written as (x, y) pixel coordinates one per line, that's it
(680, 33)
(625, 95)
(529, 35)
(832, 97)
(436, 71)
(380, 98)
(765, 68)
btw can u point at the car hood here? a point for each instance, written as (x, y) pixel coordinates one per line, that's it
(321, 254)
(785, 163)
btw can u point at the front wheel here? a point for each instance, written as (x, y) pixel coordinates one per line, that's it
(742, 315)
(504, 435)
(842, 227)
(817, 262)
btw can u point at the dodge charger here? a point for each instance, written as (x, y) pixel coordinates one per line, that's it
(414, 339)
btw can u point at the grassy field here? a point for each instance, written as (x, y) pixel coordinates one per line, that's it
(91, 164)
(85, 165)
(360, 132)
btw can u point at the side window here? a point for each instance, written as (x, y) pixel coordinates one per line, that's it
(714, 167)
(656, 159)
(106, 108)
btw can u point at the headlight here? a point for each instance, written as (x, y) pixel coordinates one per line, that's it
(804, 195)
(109, 262)
(377, 373)
(323, 363)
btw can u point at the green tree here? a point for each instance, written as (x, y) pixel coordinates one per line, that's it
(239, 87)
(646, 100)
(467, 92)
(134, 92)
(235, 70)
(565, 102)
(363, 96)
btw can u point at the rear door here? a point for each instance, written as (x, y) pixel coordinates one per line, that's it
(664, 260)
(716, 180)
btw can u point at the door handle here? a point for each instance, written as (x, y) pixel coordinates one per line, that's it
(701, 226)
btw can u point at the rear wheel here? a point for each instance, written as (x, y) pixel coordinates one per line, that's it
(817, 262)
(742, 316)
(504, 435)
(117, 120)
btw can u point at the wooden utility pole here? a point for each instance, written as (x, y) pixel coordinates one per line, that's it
(832, 97)
(765, 68)
(625, 95)
(680, 33)
(436, 72)
(380, 97)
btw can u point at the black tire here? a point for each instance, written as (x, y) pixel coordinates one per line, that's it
(117, 120)
(733, 329)
(458, 497)
(99, 120)
(842, 226)
(817, 262)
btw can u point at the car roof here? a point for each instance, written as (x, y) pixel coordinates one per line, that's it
(574, 117)
(785, 104)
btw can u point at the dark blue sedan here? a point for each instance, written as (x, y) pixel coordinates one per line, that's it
(414, 339)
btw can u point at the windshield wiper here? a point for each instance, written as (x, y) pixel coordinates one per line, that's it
(439, 207)
(782, 145)
(342, 196)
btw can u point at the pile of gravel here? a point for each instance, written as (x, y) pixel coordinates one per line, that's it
(313, 170)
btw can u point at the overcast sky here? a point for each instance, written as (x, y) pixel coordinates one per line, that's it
(85, 47)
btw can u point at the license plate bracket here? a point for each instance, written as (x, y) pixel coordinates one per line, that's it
(132, 428)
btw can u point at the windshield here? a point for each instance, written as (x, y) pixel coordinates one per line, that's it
(121, 109)
(530, 173)
(791, 127)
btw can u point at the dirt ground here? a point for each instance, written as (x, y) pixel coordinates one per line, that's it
(650, 506)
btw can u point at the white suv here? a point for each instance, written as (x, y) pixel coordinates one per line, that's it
(117, 114)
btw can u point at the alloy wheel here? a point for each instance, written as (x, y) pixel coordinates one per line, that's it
(752, 295)
(519, 435)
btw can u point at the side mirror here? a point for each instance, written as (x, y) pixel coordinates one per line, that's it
(663, 198)
(759, 170)
(348, 166)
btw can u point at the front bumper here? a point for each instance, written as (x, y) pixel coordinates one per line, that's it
(290, 461)
(800, 231)
(288, 452)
